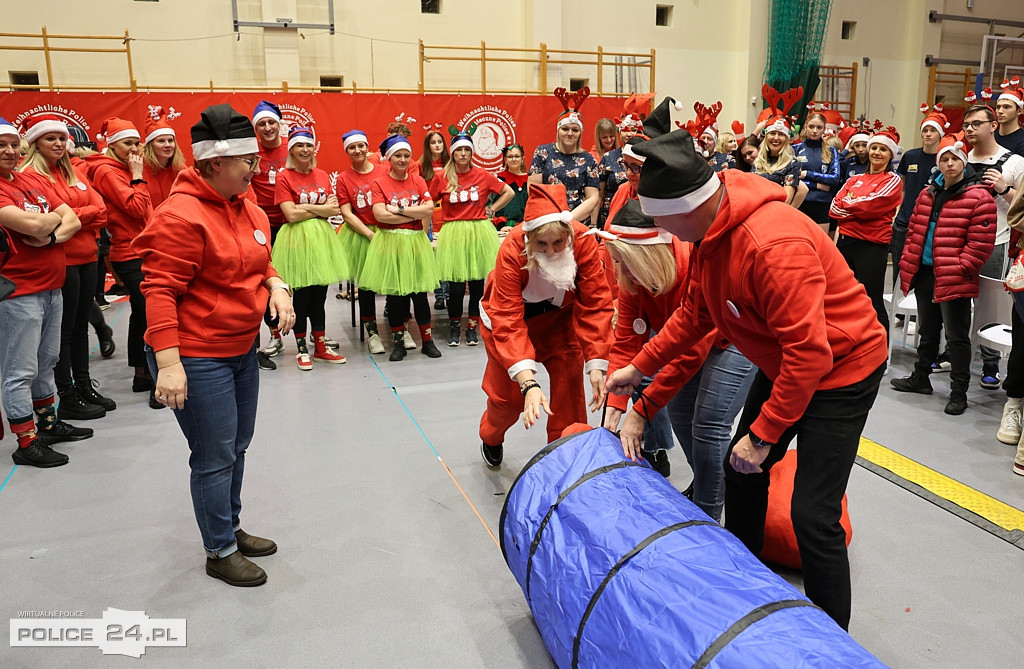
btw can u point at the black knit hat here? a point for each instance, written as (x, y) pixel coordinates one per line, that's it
(222, 131)
(631, 225)
(675, 180)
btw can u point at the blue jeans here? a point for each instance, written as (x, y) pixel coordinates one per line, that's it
(657, 434)
(218, 421)
(29, 350)
(702, 415)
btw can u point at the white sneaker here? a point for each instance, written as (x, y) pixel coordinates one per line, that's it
(374, 343)
(1009, 427)
(407, 339)
(273, 348)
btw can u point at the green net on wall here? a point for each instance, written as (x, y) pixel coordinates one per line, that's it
(796, 36)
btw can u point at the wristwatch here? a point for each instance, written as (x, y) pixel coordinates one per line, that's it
(758, 441)
(1005, 190)
(283, 285)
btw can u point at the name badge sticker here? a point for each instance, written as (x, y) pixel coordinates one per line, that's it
(733, 309)
(261, 238)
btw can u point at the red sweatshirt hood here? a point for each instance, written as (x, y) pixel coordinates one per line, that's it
(744, 194)
(96, 160)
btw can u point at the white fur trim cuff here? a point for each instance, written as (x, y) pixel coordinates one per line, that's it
(934, 124)
(681, 205)
(44, 127)
(886, 142)
(627, 150)
(640, 235)
(396, 147)
(596, 363)
(465, 141)
(572, 117)
(300, 139)
(521, 366)
(216, 148)
(352, 139)
(563, 216)
(128, 133)
(265, 114)
(159, 132)
(9, 130)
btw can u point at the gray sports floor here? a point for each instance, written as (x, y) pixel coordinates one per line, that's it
(384, 563)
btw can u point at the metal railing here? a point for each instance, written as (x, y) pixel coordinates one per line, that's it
(48, 49)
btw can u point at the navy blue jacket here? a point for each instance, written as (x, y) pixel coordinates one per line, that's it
(808, 154)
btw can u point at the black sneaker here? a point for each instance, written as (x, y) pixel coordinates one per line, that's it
(73, 407)
(142, 384)
(440, 305)
(264, 361)
(430, 349)
(492, 454)
(61, 431)
(472, 337)
(398, 353)
(106, 336)
(912, 384)
(659, 462)
(453, 337)
(87, 391)
(957, 403)
(39, 455)
(102, 302)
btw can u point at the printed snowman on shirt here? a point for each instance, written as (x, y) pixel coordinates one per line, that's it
(298, 188)
(468, 200)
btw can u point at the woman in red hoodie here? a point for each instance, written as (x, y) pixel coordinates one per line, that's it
(865, 207)
(162, 159)
(208, 280)
(117, 175)
(47, 156)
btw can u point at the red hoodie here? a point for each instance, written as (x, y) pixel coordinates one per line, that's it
(779, 290)
(206, 260)
(866, 204)
(159, 182)
(641, 313)
(87, 204)
(128, 206)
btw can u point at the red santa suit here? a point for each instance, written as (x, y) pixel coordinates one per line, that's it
(526, 321)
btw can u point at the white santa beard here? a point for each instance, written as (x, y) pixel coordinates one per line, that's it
(558, 268)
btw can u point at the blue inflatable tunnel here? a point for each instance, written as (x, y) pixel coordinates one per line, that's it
(621, 570)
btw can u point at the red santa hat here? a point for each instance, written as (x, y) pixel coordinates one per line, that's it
(952, 143)
(571, 103)
(1012, 91)
(632, 226)
(115, 129)
(934, 117)
(157, 127)
(38, 125)
(845, 134)
(545, 203)
(888, 137)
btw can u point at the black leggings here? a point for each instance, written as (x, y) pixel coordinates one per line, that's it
(867, 260)
(367, 304)
(309, 303)
(398, 307)
(456, 290)
(78, 292)
(130, 273)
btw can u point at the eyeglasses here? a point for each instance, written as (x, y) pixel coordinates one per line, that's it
(253, 162)
(977, 124)
(635, 169)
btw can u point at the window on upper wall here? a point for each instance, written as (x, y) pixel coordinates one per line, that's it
(663, 15)
(331, 81)
(25, 79)
(577, 84)
(430, 6)
(849, 29)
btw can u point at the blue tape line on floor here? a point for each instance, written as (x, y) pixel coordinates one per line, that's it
(9, 475)
(407, 412)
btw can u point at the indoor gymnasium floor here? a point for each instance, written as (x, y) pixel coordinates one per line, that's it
(369, 477)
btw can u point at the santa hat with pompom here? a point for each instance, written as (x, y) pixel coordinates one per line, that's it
(38, 125)
(221, 131)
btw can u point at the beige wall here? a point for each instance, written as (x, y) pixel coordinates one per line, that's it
(714, 49)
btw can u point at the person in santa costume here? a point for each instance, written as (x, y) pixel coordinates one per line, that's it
(162, 159)
(37, 223)
(206, 255)
(118, 176)
(355, 200)
(467, 249)
(271, 132)
(400, 261)
(776, 287)
(546, 302)
(308, 254)
(47, 156)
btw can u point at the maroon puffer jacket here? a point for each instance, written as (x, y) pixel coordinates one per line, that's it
(964, 238)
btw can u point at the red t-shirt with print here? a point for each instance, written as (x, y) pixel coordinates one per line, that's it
(264, 184)
(408, 192)
(32, 269)
(469, 201)
(356, 190)
(311, 188)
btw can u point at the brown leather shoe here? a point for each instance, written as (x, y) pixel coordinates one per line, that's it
(251, 546)
(236, 570)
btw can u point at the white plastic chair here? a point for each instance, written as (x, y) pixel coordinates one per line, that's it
(992, 310)
(906, 306)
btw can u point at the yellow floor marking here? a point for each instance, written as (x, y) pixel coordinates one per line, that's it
(991, 509)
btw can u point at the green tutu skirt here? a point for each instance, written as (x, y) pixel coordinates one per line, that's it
(467, 250)
(399, 262)
(309, 253)
(354, 247)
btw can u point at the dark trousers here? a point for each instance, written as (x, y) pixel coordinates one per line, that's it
(78, 291)
(827, 436)
(899, 240)
(397, 307)
(867, 260)
(1013, 384)
(130, 273)
(102, 251)
(457, 289)
(932, 317)
(367, 304)
(309, 305)
(271, 323)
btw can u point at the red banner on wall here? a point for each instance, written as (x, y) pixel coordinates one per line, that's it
(501, 119)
